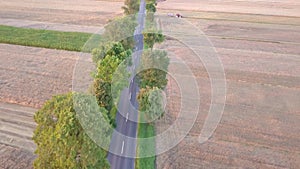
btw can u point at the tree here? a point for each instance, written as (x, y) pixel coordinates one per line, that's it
(131, 7)
(107, 88)
(150, 104)
(121, 30)
(102, 93)
(112, 61)
(151, 1)
(154, 67)
(110, 49)
(151, 34)
(106, 70)
(151, 37)
(61, 140)
(151, 7)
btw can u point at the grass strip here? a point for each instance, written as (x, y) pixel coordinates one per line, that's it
(71, 41)
(145, 131)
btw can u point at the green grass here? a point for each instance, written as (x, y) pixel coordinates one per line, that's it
(145, 131)
(72, 41)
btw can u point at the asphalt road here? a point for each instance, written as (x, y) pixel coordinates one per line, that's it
(122, 146)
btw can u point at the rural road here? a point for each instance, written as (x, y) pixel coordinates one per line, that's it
(122, 147)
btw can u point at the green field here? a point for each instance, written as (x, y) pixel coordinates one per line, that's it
(72, 41)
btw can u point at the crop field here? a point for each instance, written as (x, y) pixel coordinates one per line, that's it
(82, 12)
(263, 7)
(258, 128)
(30, 75)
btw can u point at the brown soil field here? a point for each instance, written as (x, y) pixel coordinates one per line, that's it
(15, 158)
(30, 76)
(83, 12)
(258, 128)
(263, 7)
(16, 130)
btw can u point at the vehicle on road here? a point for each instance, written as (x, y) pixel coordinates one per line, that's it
(175, 15)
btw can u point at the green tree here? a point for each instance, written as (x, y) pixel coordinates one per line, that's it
(110, 49)
(151, 7)
(154, 66)
(61, 141)
(151, 1)
(121, 30)
(112, 61)
(150, 104)
(131, 7)
(151, 37)
(102, 92)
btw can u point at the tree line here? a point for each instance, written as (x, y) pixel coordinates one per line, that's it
(60, 138)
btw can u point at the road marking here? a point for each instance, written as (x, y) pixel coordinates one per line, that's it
(127, 117)
(122, 147)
